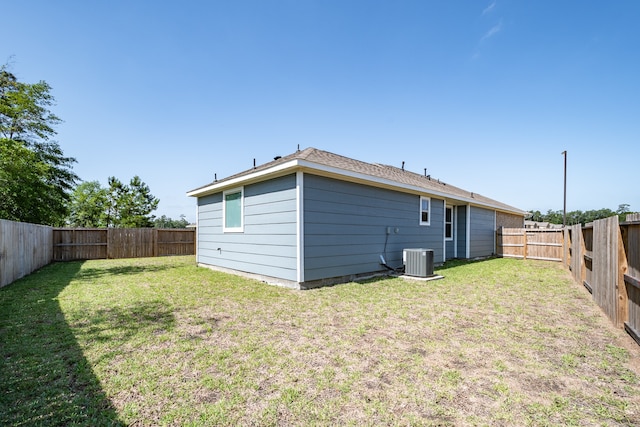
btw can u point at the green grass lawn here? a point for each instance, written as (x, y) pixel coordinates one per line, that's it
(158, 341)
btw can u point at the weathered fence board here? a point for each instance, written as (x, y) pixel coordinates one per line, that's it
(545, 244)
(605, 266)
(100, 243)
(528, 243)
(633, 217)
(130, 243)
(79, 243)
(23, 249)
(631, 241)
(510, 242)
(174, 242)
(576, 254)
(587, 256)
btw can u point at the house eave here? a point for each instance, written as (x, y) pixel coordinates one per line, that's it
(216, 187)
(351, 176)
(332, 172)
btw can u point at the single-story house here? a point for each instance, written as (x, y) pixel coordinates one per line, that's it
(314, 218)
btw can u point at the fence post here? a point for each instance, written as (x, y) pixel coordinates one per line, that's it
(524, 243)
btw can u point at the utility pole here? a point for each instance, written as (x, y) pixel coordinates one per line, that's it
(564, 210)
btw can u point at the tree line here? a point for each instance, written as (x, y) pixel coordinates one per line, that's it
(37, 181)
(578, 216)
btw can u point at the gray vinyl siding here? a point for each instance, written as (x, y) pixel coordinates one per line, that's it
(461, 231)
(451, 249)
(346, 223)
(268, 244)
(482, 232)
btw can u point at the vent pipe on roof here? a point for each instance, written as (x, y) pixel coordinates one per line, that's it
(425, 171)
(298, 147)
(254, 163)
(403, 165)
(215, 177)
(277, 157)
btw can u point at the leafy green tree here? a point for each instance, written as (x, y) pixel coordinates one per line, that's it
(89, 204)
(622, 211)
(118, 205)
(36, 177)
(166, 222)
(574, 217)
(130, 206)
(536, 216)
(554, 217)
(592, 215)
(23, 193)
(115, 193)
(578, 217)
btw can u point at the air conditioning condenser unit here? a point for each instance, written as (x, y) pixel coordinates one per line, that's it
(418, 262)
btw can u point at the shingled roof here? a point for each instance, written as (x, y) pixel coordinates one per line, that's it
(307, 158)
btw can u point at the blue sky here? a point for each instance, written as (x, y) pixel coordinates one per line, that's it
(484, 94)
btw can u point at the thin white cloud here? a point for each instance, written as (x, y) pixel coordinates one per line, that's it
(489, 8)
(493, 31)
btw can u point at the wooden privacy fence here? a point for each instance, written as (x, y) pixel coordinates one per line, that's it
(530, 243)
(604, 256)
(26, 247)
(23, 248)
(99, 243)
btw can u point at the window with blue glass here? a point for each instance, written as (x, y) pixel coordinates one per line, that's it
(233, 211)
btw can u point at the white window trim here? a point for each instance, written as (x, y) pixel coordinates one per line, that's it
(226, 229)
(448, 239)
(420, 210)
(300, 224)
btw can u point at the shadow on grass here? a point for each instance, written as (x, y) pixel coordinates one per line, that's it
(46, 380)
(96, 273)
(457, 262)
(122, 323)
